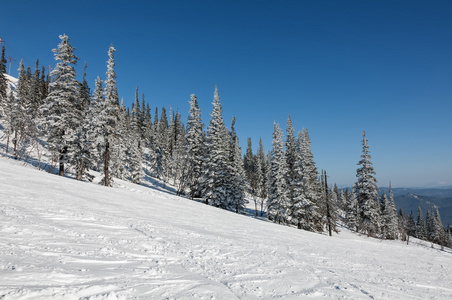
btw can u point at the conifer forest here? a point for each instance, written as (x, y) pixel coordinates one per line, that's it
(63, 126)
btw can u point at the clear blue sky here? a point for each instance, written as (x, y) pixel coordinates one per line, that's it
(337, 67)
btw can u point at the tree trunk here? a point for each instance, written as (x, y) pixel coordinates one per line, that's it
(61, 159)
(255, 205)
(106, 161)
(328, 212)
(15, 144)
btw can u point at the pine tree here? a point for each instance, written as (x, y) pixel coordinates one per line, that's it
(311, 189)
(107, 117)
(135, 140)
(44, 84)
(389, 220)
(9, 112)
(291, 165)
(249, 166)
(3, 82)
(147, 127)
(83, 148)
(124, 147)
(35, 97)
(60, 110)
(237, 180)
(367, 192)
(341, 200)
(410, 225)
(194, 148)
(438, 235)
(215, 171)
(421, 231)
(98, 103)
(20, 117)
(430, 224)
(352, 212)
(262, 176)
(278, 192)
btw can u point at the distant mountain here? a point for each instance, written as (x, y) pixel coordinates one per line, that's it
(408, 199)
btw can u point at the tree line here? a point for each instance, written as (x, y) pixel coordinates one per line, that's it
(88, 130)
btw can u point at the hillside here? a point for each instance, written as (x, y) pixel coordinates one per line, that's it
(408, 200)
(67, 239)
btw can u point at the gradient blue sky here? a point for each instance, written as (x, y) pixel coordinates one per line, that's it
(337, 67)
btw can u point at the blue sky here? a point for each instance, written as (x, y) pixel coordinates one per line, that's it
(337, 67)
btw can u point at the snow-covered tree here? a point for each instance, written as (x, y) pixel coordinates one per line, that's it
(194, 148)
(308, 188)
(291, 165)
(421, 231)
(389, 222)
(20, 117)
(278, 198)
(352, 212)
(438, 233)
(367, 192)
(249, 166)
(215, 174)
(237, 182)
(3, 82)
(83, 150)
(107, 117)
(35, 98)
(60, 111)
(123, 147)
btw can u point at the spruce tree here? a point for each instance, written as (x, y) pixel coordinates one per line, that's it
(83, 148)
(35, 97)
(430, 224)
(194, 148)
(367, 192)
(60, 111)
(44, 84)
(278, 188)
(352, 212)
(390, 217)
(438, 235)
(123, 147)
(9, 112)
(421, 232)
(3, 82)
(311, 186)
(107, 118)
(237, 181)
(20, 117)
(215, 171)
(262, 176)
(291, 165)
(249, 166)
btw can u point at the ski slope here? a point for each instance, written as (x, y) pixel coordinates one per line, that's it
(64, 239)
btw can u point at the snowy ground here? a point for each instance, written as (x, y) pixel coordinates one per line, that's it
(64, 239)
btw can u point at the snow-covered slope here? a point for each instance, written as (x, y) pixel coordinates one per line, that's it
(64, 239)
(12, 81)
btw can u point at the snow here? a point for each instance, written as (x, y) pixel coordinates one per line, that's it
(12, 81)
(60, 238)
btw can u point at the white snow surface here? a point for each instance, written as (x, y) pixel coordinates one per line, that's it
(12, 81)
(64, 239)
